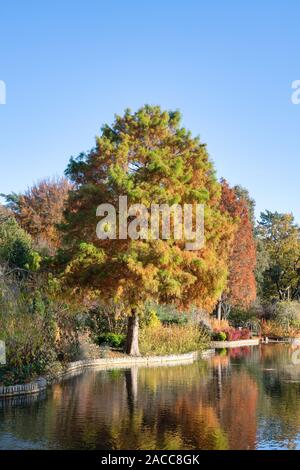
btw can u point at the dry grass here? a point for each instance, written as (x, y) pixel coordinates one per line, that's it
(272, 328)
(219, 325)
(171, 339)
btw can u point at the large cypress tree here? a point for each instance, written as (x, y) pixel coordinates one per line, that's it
(148, 157)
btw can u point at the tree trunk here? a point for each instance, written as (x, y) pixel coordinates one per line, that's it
(219, 310)
(131, 377)
(132, 346)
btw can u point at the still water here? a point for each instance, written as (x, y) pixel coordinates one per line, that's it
(244, 398)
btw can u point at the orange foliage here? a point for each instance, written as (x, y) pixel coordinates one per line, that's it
(219, 325)
(40, 209)
(241, 284)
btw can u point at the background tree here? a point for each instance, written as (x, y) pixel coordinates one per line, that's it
(280, 236)
(16, 245)
(4, 211)
(262, 264)
(241, 288)
(262, 258)
(149, 158)
(40, 209)
(243, 195)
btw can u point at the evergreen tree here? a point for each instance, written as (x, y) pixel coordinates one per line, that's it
(150, 158)
(280, 236)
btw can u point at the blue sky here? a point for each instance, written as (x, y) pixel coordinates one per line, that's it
(70, 65)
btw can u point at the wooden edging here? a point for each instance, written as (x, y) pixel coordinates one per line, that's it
(235, 344)
(41, 384)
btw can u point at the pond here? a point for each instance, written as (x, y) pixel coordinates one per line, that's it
(244, 398)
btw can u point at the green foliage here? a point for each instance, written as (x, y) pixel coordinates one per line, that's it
(86, 256)
(172, 339)
(262, 265)
(169, 314)
(150, 158)
(287, 314)
(152, 320)
(16, 245)
(112, 339)
(281, 242)
(247, 318)
(37, 331)
(34, 261)
(105, 318)
(219, 336)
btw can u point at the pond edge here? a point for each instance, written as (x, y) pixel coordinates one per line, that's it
(235, 344)
(42, 383)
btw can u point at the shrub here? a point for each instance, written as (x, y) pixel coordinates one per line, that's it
(104, 318)
(152, 320)
(236, 334)
(112, 339)
(245, 333)
(274, 329)
(172, 339)
(37, 332)
(219, 336)
(283, 320)
(231, 334)
(239, 317)
(169, 315)
(16, 245)
(287, 314)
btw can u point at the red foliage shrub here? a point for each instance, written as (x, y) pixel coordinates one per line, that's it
(235, 334)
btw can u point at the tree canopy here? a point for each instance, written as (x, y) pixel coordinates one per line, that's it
(40, 209)
(241, 289)
(280, 236)
(150, 158)
(15, 244)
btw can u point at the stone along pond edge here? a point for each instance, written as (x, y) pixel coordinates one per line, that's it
(42, 383)
(235, 344)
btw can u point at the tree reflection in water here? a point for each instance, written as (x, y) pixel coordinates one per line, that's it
(239, 399)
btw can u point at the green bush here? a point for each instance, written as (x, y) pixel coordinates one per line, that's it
(114, 340)
(238, 316)
(249, 318)
(16, 245)
(287, 314)
(219, 336)
(167, 314)
(151, 319)
(104, 318)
